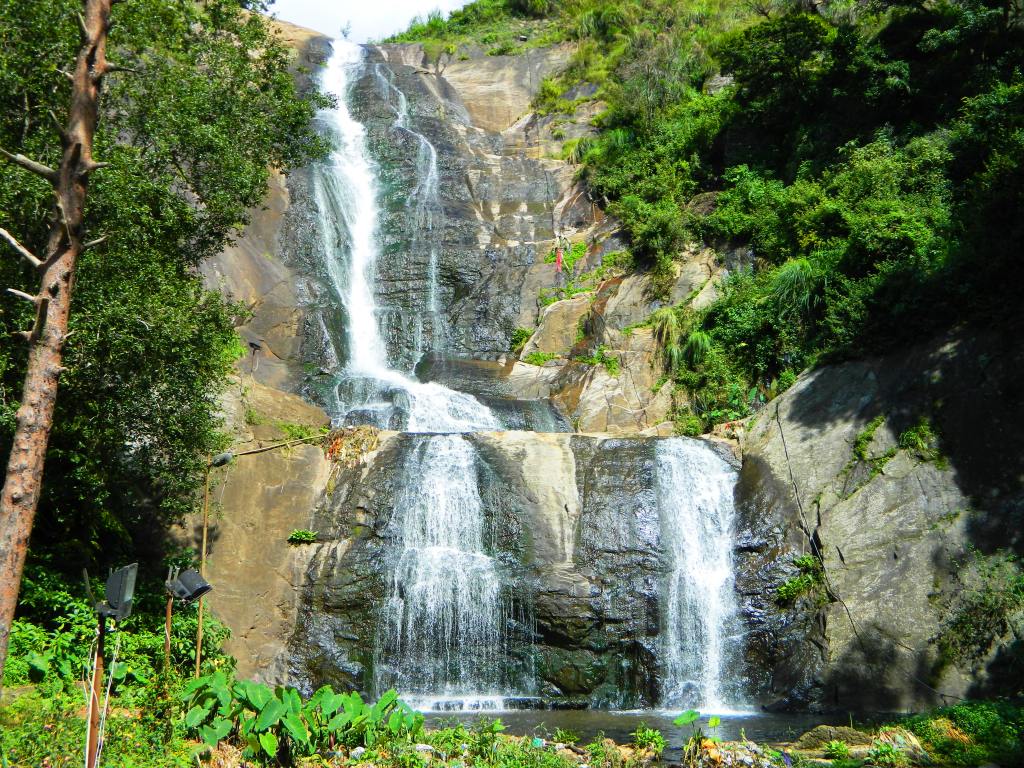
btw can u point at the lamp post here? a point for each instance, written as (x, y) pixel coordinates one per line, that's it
(119, 591)
(220, 460)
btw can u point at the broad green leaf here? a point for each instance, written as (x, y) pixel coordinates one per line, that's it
(330, 703)
(294, 725)
(395, 723)
(689, 716)
(269, 743)
(339, 721)
(195, 716)
(292, 700)
(270, 715)
(714, 721)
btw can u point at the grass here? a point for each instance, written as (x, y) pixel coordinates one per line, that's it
(809, 581)
(972, 733)
(539, 358)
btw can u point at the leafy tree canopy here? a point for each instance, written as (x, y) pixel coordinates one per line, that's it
(191, 133)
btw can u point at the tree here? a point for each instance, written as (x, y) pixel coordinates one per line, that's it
(70, 182)
(204, 109)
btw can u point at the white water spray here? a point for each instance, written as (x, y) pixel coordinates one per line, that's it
(698, 519)
(346, 195)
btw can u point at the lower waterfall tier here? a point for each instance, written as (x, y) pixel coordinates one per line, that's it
(524, 565)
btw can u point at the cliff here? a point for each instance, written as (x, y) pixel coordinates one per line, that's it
(571, 518)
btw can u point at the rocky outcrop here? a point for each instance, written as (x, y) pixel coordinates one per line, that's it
(259, 269)
(825, 472)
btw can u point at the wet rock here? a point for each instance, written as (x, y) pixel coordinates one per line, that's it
(820, 735)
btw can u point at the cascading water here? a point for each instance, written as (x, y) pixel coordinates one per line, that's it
(368, 389)
(443, 623)
(444, 631)
(425, 203)
(700, 630)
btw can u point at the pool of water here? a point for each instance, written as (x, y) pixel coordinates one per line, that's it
(761, 727)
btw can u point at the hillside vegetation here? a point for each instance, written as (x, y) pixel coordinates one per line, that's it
(870, 155)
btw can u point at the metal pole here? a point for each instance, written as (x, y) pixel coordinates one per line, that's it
(167, 635)
(202, 563)
(92, 742)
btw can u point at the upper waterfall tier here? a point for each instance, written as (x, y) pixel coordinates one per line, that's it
(369, 388)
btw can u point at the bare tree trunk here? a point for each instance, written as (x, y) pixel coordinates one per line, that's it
(70, 182)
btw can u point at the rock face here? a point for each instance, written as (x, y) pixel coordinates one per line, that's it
(260, 268)
(823, 471)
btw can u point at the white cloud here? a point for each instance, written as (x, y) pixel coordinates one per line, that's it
(369, 19)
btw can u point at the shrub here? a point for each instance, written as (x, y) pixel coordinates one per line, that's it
(809, 581)
(649, 738)
(302, 536)
(886, 755)
(539, 358)
(519, 338)
(276, 725)
(837, 750)
(922, 440)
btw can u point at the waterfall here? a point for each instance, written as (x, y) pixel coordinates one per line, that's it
(425, 203)
(442, 626)
(368, 389)
(448, 627)
(699, 634)
(442, 633)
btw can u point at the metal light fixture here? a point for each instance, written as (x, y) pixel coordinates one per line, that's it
(119, 591)
(187, 585)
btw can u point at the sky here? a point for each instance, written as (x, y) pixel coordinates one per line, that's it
(369, 19)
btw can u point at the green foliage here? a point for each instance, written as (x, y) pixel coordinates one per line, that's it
(837, 750)
(885, 755)
(292, 431)
(565, 736)
(276, 726)
(601, 356)
(519, 338)
(539, 358)
(649, 738)
(923, 441)
(809, 581)
(993, 592)
(50, 641)
(45, 727)
(302, 536)
(972, 732)
(190, 138)
(569, 258)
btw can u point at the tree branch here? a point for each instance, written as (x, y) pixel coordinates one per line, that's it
(83, 28)
(87, 169)
(41, 308)
(22, 295)
(112, 67)
(94, 243)
(24, 252)
(31, 165)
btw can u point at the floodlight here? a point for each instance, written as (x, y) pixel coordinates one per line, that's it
(221, 459)
(188, 585)
(119, 592)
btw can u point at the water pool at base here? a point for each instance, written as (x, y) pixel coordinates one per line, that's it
(761, 727)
